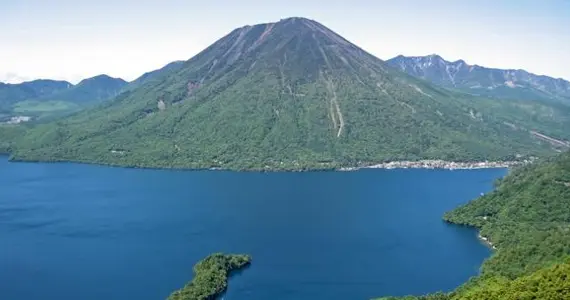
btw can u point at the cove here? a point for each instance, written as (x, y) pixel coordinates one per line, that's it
(73, 231)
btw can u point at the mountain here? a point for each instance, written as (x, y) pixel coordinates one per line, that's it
(526, 219)
(474, 79)
(290, 95)
(41, 98)
(155, 75)
(12, 93)
(91, 90)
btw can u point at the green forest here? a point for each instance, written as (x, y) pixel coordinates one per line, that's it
(527, 220)
(50, 99)
(211, 276)
(8, 134)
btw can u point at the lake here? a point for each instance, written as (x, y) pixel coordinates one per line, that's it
(73, 231)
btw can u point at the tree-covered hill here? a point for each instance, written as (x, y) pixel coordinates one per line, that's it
(289, 95)
(90, 91)
(211, 276)
(11, 94)
(48, 98)
(527, 220)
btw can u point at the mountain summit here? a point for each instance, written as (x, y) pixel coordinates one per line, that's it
(285, 95)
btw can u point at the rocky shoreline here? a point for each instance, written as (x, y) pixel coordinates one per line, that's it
(486, 241)
(441, 164)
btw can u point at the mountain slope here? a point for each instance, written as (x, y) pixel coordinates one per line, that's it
(285, 95)
(9, 133)
(474, 79)
(155, 75)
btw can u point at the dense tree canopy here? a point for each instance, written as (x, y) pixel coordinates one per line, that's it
(8, 134)
(211, 277)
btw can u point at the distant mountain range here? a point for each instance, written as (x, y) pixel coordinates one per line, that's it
(292, 95)
(45, 97)
(92, 90)
(477, 80)
(41, 98)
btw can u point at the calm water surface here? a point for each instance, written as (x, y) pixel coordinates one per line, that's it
(71, 231)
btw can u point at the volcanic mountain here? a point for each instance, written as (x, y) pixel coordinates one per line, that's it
(285, 95)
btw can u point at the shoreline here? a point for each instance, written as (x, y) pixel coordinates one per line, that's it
(486, 241)
(419, 164)
(440, 164)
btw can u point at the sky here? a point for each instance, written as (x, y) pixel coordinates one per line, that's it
(76, 39)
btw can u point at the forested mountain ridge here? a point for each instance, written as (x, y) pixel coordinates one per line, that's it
(40, 98)
(527, 220)
(290, 95)
(478, 80)
(13, 93)
(92, 90)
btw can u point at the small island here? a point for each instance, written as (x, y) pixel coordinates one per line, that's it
(211, 276)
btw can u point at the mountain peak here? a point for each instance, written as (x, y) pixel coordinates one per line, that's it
(275, 43)
(435, 56)
(295, 19)
(102, 78)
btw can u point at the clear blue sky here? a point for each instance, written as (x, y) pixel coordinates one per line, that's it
(75, 39)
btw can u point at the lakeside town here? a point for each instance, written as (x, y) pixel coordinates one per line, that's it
(442, 164)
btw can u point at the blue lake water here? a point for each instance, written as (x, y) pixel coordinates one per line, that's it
(72, 231)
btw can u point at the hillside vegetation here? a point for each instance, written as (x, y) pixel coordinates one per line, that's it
(211, 276)
(527, 219)
(11, 94)
(288, 95)
(8, 134)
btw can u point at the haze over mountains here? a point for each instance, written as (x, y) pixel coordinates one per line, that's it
(290, 95)
(474, 79)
